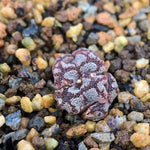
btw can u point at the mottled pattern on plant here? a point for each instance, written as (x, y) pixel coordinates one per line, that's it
(83, 85)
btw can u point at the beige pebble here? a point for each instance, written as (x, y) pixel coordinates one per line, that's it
(102, 126)
(90, 126)
(51, 143)
(51, 61)
(37, 102)
(116, 111)
(24, 145)
(124, 97)
(141, 88)
(128, 125)
(24, 56)
(24, 122)
(31, 134)
(26, 104)
(124, 22)
(40, 8)
(13, 100)
(142, 128)
(109, 7)
(4, 68)
(37, 16)
(50, 119)
(146, 98)
(48, 22)
(108, 47)
(74, 32)
(2, 120)
(48, 100)
(76, 131)
(140, 139)
(41, 63)
(141, 63)
(104, 146)
(135, 116)
(11, 49)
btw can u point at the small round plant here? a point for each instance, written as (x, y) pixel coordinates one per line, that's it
(82, 84)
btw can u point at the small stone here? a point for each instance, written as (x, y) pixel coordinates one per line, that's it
(103, 137)
(13, 100)
(128, 125)
(28, 43)
(11, 49)
(2, 30)
(90, 126)
(115, 111)
(109, 7)
(26, 104)
(148, 34)
(2, 120)
(144, 25)
(41, 63)
(124, 97)
(24, 145)
(142, 128)
(24, 122)
(48, 22)
(102, 126)
(37, 102)
(92, 38)
(134, 39)
(139, 17)
(37, 16)
(145, 98)
(104, 146)
(90, 142)
(51, 143)
(31, 134)
(81, 146)
(37, 123)
(108, 47)
(4, 68)
(140, 140)
(142, 62)
(73, 13)
(141, 88)
(50, 119)
(74, 32)
(20, 134)
(2, 103)
(124, 22)
(48, 100)
(147, 78)
(14, 83)
(76, 131)
(14, 120)
(135, 116)
(24, 56)
(119, 31)
(38, 141)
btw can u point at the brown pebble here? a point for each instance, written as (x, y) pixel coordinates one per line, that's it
(90, 142)
(38, 141)
(2, 30)
(73, 13)
(61, 16)
(24, 122)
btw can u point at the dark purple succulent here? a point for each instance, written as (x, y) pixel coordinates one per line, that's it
(83, 85)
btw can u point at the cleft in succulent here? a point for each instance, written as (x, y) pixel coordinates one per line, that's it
(82, 84)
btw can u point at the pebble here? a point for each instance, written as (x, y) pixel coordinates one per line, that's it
(73, 13)
(50, 119)
(34, 77)
(145, 9)
(139, 17)
(90, 142)
(76, 131)
(84, 6)
(48, 22)
(108, 47)
(131, 31)
(13, 100)
(48, 100)
(103, 137)
(31, 134)
(135, 116)
(24, 56)
(14, 83)
(28, 43)
(81, 146)
(104, 146)
(148, 34)
(2, 30)
(14, 120)
(142, 128)
(145, 98)
(2, 120)
(4, 68)
(38, 141)
(141, 88)
(124, 97)
(102, 126)
(140, 140)
(90, 126)
(124, 22)
(37, 16)
(37, 123)
(99, 27)
(41, 63)
(134, 39)
(74, 32)
(2, 103)
(92, 38)
(128, 125)
(26, 104)
(37, 102)
(144, 25)
(142, 62)
(109, 7)
(24, 145)
(24, 122)
(50, 143)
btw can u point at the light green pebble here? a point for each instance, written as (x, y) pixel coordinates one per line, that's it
(4, 68)
(50, 143)
(148, 34)
(2, 96)
(28, 43)
(90, 126)
(120, 43)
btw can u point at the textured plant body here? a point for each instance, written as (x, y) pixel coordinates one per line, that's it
(83, 85)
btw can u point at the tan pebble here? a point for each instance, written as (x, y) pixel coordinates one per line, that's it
(24, 122)
(109, 7)
(142, 128)
(41, 63)
(51, 61)
(119, 31)
(141, 88)
(31, 134)
(140, 139)
(124, 97)
(8, 12)
(90, 142)
(137, 4)
(141, 63)
(147, 78)
(76, 131)
(11, 49)
(26, 104)
(145, 3)
(124, 22)
(37, 102)
(1, 43)
(2, 120)
(50, 119)
(90, 126)
(73, 13)
(40, 8)
(116, 111)
(48, 100)
(145, 98)
(24, 56)
(104, 146)
(103, 38)
(37, 16)
(2, 30)
(24, 145)
(132, 24)
(4, 68)
(13, 100)
(74, 32)
(90, 19)
(48, 22)
(102, 126)
(128, 125)
(52, 110)
(58, 54)
(108, 47)
(57, 40)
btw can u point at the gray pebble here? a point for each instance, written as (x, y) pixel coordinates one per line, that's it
(145, 9)
(139, 17)
(34, 77)
(134, 39)
(37, 123)
(14, 83)
(50, 85)
(81, 146)
(2, 103)
(92, 38)
(136, 116)
(144, 25)
(14, 120)
(131, 31)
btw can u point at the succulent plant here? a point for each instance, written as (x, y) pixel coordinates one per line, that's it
(82, 84)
